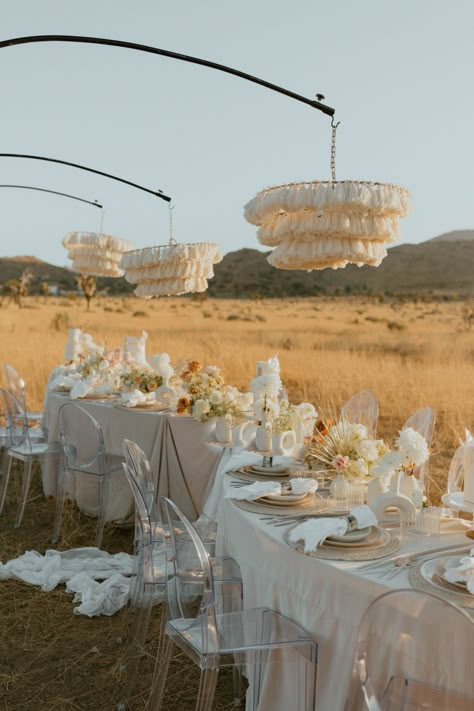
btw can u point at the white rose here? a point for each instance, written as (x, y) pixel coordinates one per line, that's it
(359, 468)
(200, 408)
(367, 449)
(215, 398)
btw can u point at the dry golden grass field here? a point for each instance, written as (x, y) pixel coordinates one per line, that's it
(409, 354)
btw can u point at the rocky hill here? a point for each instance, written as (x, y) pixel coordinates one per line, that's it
(443, 264)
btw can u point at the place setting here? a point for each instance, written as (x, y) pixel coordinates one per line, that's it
(451, 576)
(294, 496)
(355, 537)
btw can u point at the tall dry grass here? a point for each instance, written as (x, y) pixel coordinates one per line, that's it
(408, 354)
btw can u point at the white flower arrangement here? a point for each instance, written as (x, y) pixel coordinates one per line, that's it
(412, 451)
(345, 448)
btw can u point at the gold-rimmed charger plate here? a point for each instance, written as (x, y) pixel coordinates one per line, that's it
(243, 475)
(427, 575)
(154, 406)
(383, 543)
(285, 499)
(314, 505)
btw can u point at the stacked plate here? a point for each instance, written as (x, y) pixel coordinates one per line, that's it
(318, 224)
(96, 254)
(287, 498)
(171, 269)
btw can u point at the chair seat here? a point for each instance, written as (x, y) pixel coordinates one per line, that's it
(114, 463)
(242, 631)
(34, 416)
(34, 448)
(408, 695)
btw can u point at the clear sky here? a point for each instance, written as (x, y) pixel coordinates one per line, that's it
(400, 76)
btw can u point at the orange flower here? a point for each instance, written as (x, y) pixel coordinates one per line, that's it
(182, 406)
(323, 426)
(194, 366)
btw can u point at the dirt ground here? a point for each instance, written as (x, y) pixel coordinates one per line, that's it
(53, 660)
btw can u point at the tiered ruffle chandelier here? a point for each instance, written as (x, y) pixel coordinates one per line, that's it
(96, 254)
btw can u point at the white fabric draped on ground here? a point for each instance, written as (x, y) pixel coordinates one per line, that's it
(99, 580)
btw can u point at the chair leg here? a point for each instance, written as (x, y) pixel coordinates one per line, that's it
(60, 498)
(159, 680)
(5, 480)
(207, 689)
(136, 639)
(104, 481)
(25, 487)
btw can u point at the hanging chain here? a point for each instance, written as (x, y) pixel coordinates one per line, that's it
(333, 149)
(172, 240)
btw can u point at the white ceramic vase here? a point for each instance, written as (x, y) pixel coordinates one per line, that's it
(284, 443)
(223, 431)
(263, 438)
(242, 435)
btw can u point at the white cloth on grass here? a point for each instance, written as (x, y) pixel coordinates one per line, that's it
(81, 569)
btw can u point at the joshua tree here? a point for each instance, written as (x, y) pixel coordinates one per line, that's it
(88, 284)
(16, 289)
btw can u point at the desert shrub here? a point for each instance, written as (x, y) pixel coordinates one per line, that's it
(137, 314)
(395, 326)
(61, 321)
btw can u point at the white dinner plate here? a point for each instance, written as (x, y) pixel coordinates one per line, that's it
(284, 499)
(457, 501)
(282, 469)
(352, 537)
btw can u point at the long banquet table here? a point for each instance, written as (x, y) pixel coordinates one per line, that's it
(327, 598)
(176, 446)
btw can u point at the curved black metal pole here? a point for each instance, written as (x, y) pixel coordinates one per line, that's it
(158, 193)
(54, 192)
(173, 55)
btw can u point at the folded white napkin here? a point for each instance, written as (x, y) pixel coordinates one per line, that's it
(255, 490)
(315, 530)
(81, 389)
(462, 573)
(300, 485)
(64, 382)
(136, 397)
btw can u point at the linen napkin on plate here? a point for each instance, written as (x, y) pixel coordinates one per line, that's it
(64, 382)
(462, 573)
(316, 530)
(136, 397)
(303, 486)
(255, 490)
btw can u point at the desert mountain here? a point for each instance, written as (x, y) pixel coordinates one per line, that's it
(442, 264)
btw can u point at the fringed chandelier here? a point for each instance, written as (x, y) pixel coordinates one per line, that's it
(96, 254)
(320, 224)
(172, 269)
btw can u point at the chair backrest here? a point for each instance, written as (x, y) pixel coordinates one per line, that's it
(456, 471)
(416, 647)
(81, 438)
(16, 385)
(140, 469)
(16, 422)
(191, 593)
(362, 409)
(423, 421)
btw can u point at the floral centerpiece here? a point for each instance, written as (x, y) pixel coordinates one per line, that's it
(208, 395)
(396, 468)
(140, 377)
(344, 449)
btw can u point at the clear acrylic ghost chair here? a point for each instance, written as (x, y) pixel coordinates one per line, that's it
(150, 582)
(83, 453)
(414, 651)
(423, 421)
(362, 409)
(16, 385)
(139, 466)
(20, 446)
(213, 639)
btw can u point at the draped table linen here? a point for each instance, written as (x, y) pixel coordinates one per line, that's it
(327, 598)
(175, 445)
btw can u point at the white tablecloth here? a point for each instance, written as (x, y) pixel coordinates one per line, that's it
(176, 446)
(327, 598)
